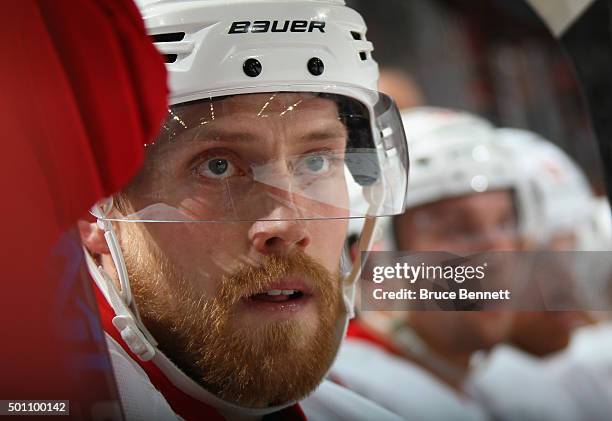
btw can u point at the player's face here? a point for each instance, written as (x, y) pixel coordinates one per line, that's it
(474, 223)
(542, 333)
(250, 308)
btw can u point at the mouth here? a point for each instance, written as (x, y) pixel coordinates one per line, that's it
(278, 295)
(283, 296)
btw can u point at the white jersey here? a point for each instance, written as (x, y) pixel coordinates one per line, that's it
(512, 385)
(140, 400)
(331, 402)
(585, 370)
(591, 345)
(399, 385)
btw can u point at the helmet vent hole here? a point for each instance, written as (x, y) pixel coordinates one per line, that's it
(170, 58)
(168, 37)
(356, 35)
(363, 55)
(252, 67)
(316, 66)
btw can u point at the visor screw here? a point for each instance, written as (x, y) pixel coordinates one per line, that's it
(315, 66)
(252, 67)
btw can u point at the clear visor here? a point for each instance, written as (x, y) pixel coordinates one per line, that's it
(272, 156)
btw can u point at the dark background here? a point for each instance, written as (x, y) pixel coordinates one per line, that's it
(494, 58)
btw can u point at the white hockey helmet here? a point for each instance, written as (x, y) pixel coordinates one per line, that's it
(453, 154)
(286, 51)
(208, 43)
(556, 189)
(456, 153)
(596, 234)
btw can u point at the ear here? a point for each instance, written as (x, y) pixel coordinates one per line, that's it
(93, 237)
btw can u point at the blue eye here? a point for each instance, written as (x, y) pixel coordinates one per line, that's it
(216, 168)
(316, 164)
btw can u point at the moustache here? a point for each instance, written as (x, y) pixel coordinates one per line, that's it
(252, 279)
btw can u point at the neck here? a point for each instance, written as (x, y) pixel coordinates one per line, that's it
(444, 362)
(414, 343)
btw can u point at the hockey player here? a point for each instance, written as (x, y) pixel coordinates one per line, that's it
(566, 209)
(536, 377)
(461, 198)
(223, 284)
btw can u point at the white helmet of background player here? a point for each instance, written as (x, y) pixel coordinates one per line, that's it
(597, 234)
(267, 55)
(454, 153)
(557, 189)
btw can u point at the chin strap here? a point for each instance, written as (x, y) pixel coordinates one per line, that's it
(366, 240)
(117, 256)
(130, 329)
(350, 283)
(127, 320)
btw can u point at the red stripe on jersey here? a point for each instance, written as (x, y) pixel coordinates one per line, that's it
(358, 330)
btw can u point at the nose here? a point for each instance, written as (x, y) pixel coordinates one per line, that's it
(492, 239)
(279, 234)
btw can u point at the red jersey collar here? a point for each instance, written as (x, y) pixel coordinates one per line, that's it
(358, 330)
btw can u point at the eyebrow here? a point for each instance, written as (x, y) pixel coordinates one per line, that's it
(225, 135)
(325, 134)
(229, 135)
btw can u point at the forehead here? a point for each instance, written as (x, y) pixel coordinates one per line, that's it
(489, 202)
(259, 115)
(274, 103)
(263, 106)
